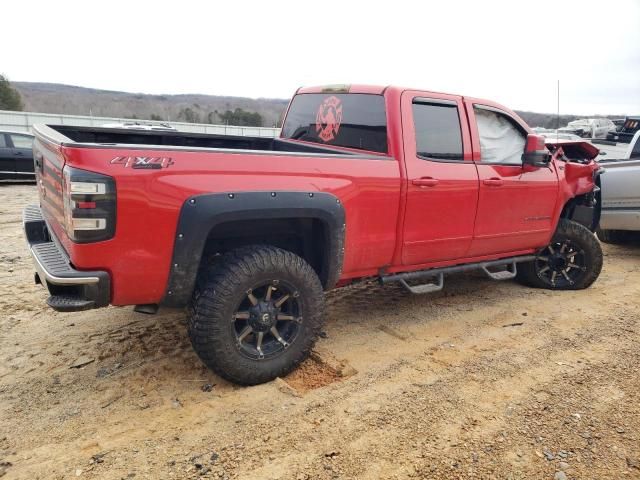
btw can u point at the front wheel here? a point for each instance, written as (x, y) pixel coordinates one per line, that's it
(256, 314)
(572, 261)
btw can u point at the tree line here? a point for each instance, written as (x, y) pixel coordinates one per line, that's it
(10, 99)
(239, 117)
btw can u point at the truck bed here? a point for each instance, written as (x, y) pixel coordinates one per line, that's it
(161, 140)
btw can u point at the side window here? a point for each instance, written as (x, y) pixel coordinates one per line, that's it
(3, 141)
(22, 141)
(437, 127)
(501, 141)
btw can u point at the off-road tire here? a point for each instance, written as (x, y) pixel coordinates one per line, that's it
(220, 289)
(615, 237)
(529, 272)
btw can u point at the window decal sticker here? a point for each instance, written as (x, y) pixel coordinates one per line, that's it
(329, 118)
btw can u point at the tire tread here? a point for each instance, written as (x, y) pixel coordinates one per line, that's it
(526, 274)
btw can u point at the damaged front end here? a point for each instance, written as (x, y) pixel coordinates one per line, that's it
(579, 176)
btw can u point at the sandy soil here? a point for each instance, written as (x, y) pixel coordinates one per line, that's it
(482, 380)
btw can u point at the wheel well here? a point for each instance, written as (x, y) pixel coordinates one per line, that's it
(584, 209)
(306, 237)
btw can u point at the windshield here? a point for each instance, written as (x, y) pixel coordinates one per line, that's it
(350, 120)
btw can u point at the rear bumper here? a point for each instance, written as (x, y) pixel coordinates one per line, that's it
(70, 289)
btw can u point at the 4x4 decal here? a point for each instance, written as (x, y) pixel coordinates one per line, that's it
(143, 162)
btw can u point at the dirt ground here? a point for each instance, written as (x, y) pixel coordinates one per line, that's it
(482, 380)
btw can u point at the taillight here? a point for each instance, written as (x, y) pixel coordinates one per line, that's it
(89, 205)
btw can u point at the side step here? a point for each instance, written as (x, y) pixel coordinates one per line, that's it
(438, 273)
(425, 287)
(507, 274)
(69, 303)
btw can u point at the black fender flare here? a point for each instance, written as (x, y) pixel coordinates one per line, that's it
(200, 214)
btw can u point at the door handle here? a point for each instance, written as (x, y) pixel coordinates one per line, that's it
(19, 153)
(425, 182)
(493, 182)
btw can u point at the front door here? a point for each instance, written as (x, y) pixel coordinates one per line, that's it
(442, 189)
(516, 202)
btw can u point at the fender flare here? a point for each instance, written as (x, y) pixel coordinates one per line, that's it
(200, 214)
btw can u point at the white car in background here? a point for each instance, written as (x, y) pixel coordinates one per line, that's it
(589, 127)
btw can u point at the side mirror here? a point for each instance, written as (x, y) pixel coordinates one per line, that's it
(535, 151)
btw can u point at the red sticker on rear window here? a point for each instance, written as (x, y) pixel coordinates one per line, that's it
(329, 118)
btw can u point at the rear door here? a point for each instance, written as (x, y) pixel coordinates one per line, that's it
(22, 154)
(442, 188)
(516, 202)
(7, 162)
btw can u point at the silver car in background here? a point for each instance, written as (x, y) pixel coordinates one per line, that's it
(589, 127)
(620, 191)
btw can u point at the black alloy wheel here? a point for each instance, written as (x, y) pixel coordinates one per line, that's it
(561, 264)
(268, 320)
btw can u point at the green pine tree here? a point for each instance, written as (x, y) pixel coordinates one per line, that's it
(9, 96)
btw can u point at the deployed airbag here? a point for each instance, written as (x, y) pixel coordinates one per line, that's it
(500, 140)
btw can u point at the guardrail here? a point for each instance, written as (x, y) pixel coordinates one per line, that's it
(22, 122)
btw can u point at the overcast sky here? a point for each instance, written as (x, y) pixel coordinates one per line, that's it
(512, 52)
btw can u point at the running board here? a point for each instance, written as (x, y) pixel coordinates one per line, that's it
(438, 273)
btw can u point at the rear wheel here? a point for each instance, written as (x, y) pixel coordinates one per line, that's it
(572, 261)
(256, 314)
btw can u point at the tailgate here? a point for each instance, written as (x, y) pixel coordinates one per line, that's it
(49, 161)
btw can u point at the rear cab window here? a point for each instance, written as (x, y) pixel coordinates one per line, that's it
(351, 120)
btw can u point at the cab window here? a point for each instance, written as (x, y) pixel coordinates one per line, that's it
(437, 127)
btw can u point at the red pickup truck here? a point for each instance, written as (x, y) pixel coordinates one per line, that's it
(399, 184)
